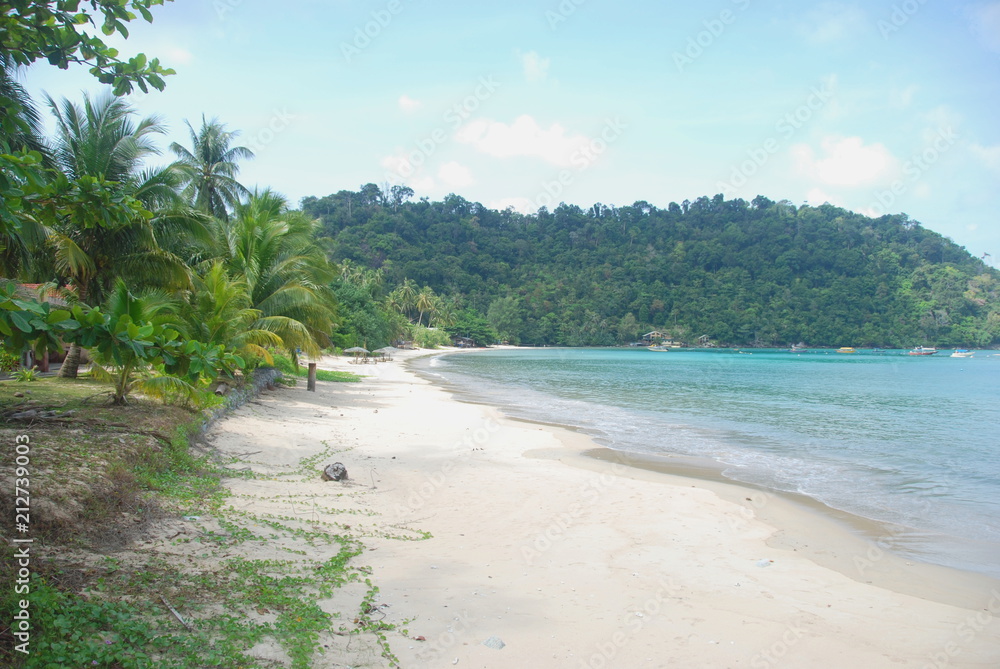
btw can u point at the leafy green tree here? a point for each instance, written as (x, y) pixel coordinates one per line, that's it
(472, 325)
(505, 318)
(102, 151)
(628, 329)
(57, 31)
(210, 168)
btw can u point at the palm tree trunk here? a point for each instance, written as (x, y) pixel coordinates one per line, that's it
(71, 365)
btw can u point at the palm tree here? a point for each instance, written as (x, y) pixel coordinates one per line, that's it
(100, 148)
(210, 168)
(424, 303)
(128, 366)
(22, 123)
(20, 130)
(287, 274)
(219, 311)
(445, 312)
(406, 296)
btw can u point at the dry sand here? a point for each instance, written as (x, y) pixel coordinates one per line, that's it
(576, 561)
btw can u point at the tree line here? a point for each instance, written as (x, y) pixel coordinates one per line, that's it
(759, 273)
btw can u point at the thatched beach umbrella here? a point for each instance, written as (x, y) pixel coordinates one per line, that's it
(386, 351)
(357, 351)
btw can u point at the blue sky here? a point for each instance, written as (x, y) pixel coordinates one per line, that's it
(881, 106)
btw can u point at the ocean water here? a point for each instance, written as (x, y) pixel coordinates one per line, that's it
(913, 442)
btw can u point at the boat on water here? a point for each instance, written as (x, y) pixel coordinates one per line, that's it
(846, 349)
(658, 348)
(923, 350)
(798, 348)
(962, 353)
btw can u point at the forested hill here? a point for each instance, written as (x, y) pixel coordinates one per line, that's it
(742, 273)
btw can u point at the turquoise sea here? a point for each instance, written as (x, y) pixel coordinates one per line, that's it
(913, 442)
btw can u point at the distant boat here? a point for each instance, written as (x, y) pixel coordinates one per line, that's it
(798, 348)
(846, 349)
(658, 348)
(923, 350)
(962, 353)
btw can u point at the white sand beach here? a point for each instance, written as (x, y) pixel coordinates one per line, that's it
(572, 561)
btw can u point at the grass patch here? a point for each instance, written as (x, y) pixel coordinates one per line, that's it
(284, 363)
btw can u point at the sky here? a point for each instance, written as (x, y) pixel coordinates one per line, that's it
(886, 106)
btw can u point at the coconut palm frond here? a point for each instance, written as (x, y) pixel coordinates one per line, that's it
(69, 258)
(166, 388)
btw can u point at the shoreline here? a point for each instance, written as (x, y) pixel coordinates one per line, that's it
(514, 530)
(904, 543)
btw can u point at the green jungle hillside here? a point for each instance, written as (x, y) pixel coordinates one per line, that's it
(758, 273)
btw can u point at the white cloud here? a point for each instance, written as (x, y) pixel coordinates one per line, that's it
(984, 20)
(536, 68)
(455, 175)
(399, 170)
(520, 204)
(817, 196)
(399, 165)
(408, 104)
(422, 184)
(176, 55)
(901, 98)
(524, 137)
(846, 161)
(989, 155)
(832, 22)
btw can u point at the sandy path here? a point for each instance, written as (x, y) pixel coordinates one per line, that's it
(573, 562)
